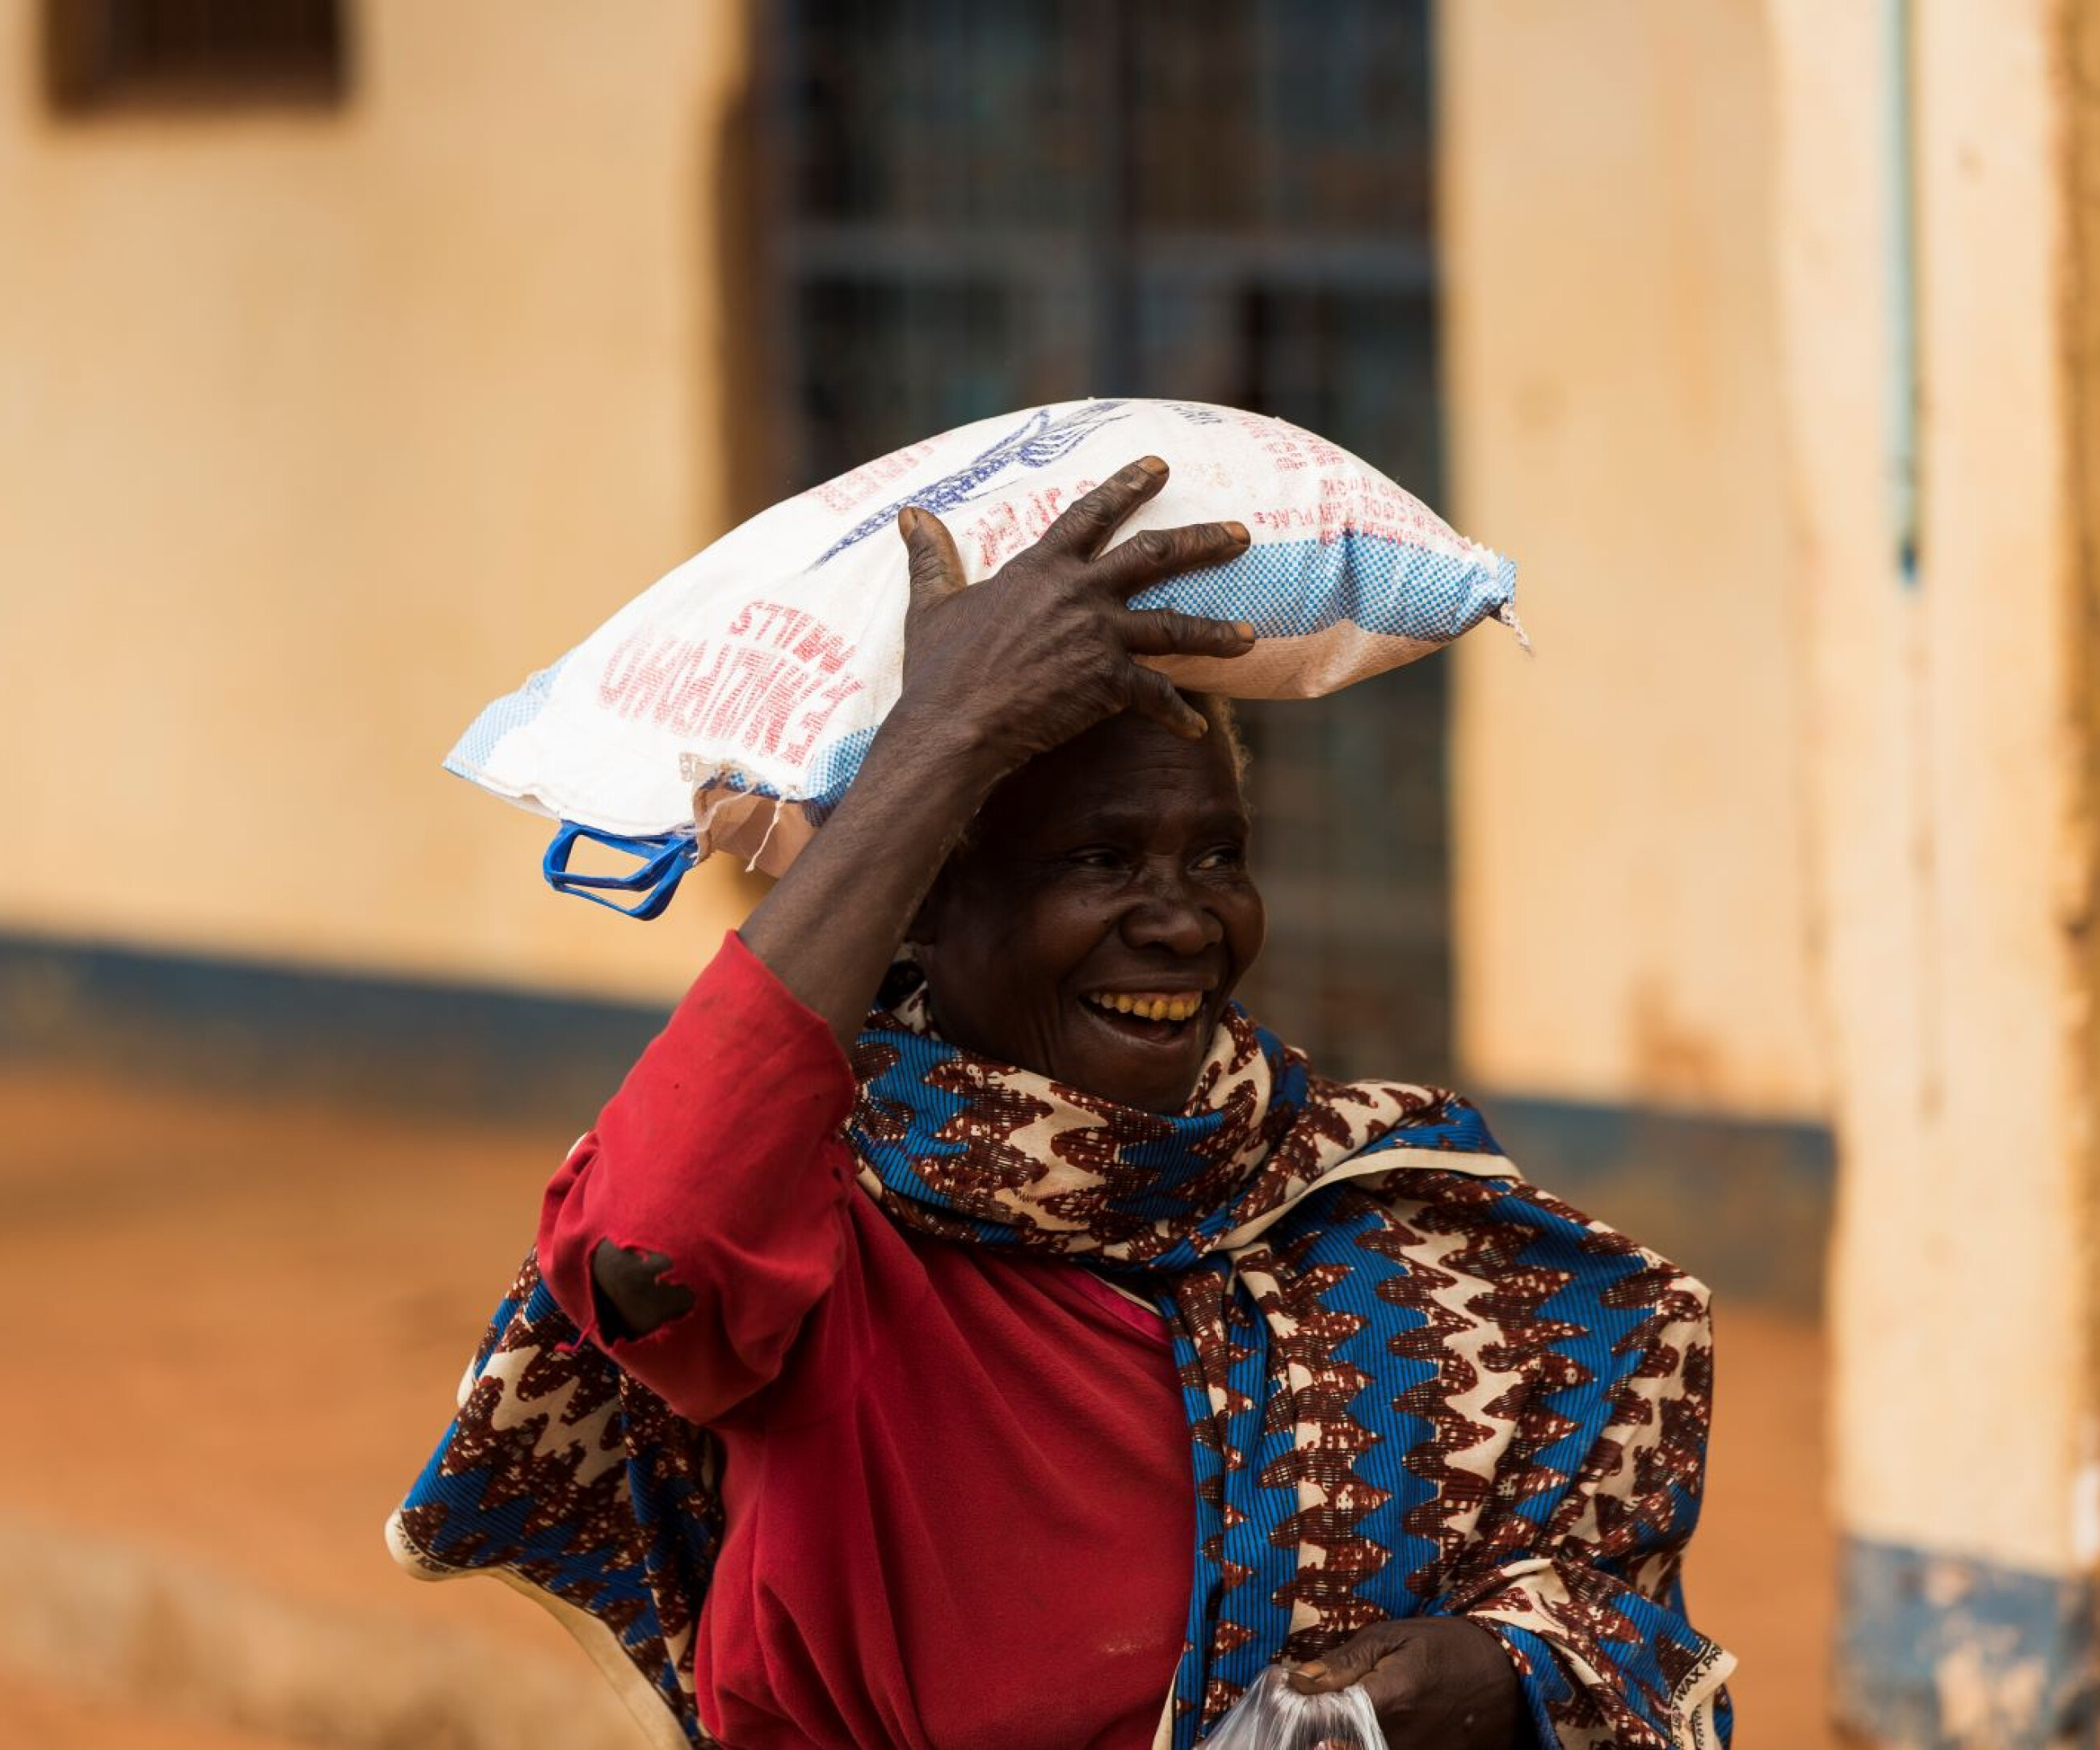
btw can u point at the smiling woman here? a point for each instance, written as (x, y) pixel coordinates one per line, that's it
(1097, 923)
(968, 1328)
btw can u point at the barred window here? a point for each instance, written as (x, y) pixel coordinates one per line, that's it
(106, 54)
(970, 209)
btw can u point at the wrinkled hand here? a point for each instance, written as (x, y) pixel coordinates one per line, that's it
(1043, 650)
(1438, 1683)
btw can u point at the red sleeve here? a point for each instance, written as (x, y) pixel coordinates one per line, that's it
(723, 1151)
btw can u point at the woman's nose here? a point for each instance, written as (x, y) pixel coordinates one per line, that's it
(1171, 916)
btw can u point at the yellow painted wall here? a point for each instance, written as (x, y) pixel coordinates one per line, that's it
(1631, 922)
(320, 428)
(324, 428)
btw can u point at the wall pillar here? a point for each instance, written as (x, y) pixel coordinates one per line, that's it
(1934, 305)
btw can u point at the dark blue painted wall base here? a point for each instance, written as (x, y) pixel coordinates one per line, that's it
(1742, 1205)
(247, 1031)
(1941, 1652)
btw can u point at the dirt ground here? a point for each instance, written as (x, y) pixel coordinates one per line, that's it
(32, 1714)
(244, 1324)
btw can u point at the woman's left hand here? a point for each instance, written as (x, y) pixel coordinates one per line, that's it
(1438, 1683)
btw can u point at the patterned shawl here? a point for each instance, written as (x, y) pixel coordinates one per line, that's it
(1414, 1384)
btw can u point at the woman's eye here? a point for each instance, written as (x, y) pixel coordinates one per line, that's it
(1223, 856)
(1097, 857)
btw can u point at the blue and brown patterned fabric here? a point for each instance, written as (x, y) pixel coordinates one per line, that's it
(1414, 1384)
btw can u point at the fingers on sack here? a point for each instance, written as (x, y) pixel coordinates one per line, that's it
(1085, 527)
(1152, 696)
(1164, 633)
(936, 568)
(1151, 554)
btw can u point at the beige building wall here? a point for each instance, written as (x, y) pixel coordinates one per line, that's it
(320, 428)
(325, 427)
(1951, 754)
(1632, 923)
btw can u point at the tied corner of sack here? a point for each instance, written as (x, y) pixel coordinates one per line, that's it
(740, 813)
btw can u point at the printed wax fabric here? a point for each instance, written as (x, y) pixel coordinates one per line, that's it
(1414, 1384)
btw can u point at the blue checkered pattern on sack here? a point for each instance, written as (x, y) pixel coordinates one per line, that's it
(513, 711)
(1288, 589)
(830, 770)
(1293, 589)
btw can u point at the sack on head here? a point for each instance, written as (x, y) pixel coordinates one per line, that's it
(728, 706)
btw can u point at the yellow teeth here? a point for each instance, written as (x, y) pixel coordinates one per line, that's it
(1147, 1007)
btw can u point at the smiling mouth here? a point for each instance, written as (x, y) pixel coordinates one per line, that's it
(1152, 1017)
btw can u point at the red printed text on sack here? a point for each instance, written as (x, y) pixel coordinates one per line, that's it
(1017, 522)
(849, 491)
(1351, 504)
(770, 685)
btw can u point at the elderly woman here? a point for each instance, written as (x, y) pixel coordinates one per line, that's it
(965, 1327)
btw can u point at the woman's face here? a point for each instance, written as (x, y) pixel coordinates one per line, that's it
(1106, 884)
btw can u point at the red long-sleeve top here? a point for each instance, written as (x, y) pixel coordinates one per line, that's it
(958, 1494)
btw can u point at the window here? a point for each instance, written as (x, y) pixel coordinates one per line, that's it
(975, 208)
(102, 54)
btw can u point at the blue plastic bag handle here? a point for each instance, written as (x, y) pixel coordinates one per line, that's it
(662, 861)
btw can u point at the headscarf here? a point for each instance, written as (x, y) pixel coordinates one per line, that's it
(1414, 1384)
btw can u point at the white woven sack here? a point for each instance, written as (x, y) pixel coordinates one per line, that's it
(733, 699)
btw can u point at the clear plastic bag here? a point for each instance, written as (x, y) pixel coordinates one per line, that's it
(1272, 1716)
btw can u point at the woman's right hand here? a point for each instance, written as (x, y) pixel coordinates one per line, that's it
(1045, 649)
(994, 674)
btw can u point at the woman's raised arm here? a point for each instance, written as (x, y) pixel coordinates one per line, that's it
(692, 1231)
(993, 676)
